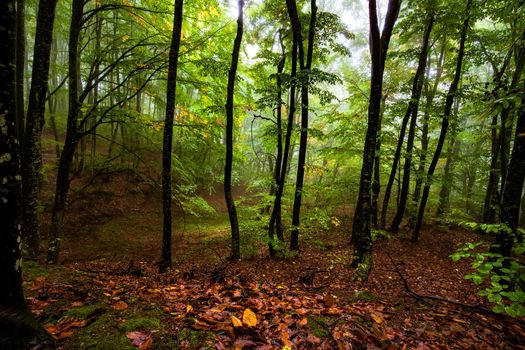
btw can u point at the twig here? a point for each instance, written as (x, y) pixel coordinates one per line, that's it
(418, 296)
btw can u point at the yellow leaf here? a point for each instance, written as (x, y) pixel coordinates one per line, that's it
(249, 318)
(286, 347)
(189, 308)
(377, 318)
(236, 322)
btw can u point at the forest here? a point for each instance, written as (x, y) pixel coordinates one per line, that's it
(262, 174)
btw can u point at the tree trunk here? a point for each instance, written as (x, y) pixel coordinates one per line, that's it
(171, 94)
(275, 218)
(305, 69)
(232, 212)
(491, 195)
(412, 111)
(448, 179)
(31, 148)
(20, 56)
(430, 95)
(444, 123)
(376, 182)
(286, 152)
(71, 140)
(361, 235)
(18, 328)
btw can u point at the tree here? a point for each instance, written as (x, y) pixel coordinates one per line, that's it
(31, 148)
(232, 212)
(305, 71)
(361, 230)
(18, 328)
(452, 91)
(411, 114)
(167, 144)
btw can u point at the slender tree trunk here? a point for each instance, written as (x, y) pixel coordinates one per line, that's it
(18, 328)
(412, 111)
(275, 218)
(491, 195)
(361, 235)
(522, 212)
(305, 69)
(31, 148)
(430, 95)
(52, 100)
(286, 152)
(232, 212)
(376, 182)
(20, 56)
(171, 93)
(448, 179)
(444, 123)
(71, 140)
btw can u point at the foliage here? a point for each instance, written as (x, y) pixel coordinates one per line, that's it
(503, 280)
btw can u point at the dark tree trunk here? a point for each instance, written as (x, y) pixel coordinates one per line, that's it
(18, 328)
(412, 111)
(448, 178)
(52, 100)
(232, 212)
(376, 182)
(430, 95)
(444, 123)
(511, 198)
(305, 69)
(31, 148)
(361, 235)
(171, 94)
(71, 140)
(286, 152)
(20, 57)
(275, 218)
(491, 195)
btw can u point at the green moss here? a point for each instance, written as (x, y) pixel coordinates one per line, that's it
(197, 339)
(319, 325)
(83, 312)
(141, 323)
(103, 334)
(32, 270)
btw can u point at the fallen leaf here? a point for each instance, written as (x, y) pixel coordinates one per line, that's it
(236, 322)
(377, 318)
(302, 322)
(120, 305)
(249, 318)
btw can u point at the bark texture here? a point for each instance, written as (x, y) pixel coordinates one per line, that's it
(18, 328)
(361, 234)
(167, 145)
(305, 70)
(31, 148)
(232, 212)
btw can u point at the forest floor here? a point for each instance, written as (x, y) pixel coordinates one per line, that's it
(108, 294)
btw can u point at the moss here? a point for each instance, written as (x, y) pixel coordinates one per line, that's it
(196, 339)
(141, 323)
(83, 312)
(32, 270)
(103, 334)
(319, 325)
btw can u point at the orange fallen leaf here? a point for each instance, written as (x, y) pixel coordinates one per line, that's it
(120, 305)
(302, 322)
(249, 318)
(236, 322)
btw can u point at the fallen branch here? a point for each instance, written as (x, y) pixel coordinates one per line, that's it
(418, 296)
